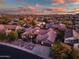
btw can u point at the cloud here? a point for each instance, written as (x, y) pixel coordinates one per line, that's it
(21, 10)
(2, 2)
(20, 0)
(58, 1)
(56, 9)
(37, 9)
(38, 6)
(33, 10)
(73, 1)
(28, 8)
(76, 10)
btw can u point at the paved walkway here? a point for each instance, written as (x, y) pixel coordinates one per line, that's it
(41, 50)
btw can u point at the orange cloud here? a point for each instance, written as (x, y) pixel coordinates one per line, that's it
(56, 2)
(56, 9)
(73, 1)
(75, 10)
(59, 1)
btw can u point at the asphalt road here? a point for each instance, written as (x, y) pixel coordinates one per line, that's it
(7, 52)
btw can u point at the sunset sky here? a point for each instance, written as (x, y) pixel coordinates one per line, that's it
(39, 6)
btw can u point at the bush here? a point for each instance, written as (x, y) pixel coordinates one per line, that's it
(21, 22)
(61, 51)
(4, 20)
(29, 37)
(12, 36)
(2, 35)
(20, 31)
(33, 23)
(76, 53)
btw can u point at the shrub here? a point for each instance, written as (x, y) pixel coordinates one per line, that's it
(12, 36)
(21, 22)
(30, 37)
(61, 51)
(33, 23)
(20, 31)
(2, 35)
(4, 20)
(76, 53)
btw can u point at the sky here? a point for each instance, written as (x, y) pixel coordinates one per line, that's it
(39, 6)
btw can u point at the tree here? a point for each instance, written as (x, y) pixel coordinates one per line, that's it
(61, 51)
(68, 24)
(60, 35)
(21, 22)
(33, 23)
(4, 20)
